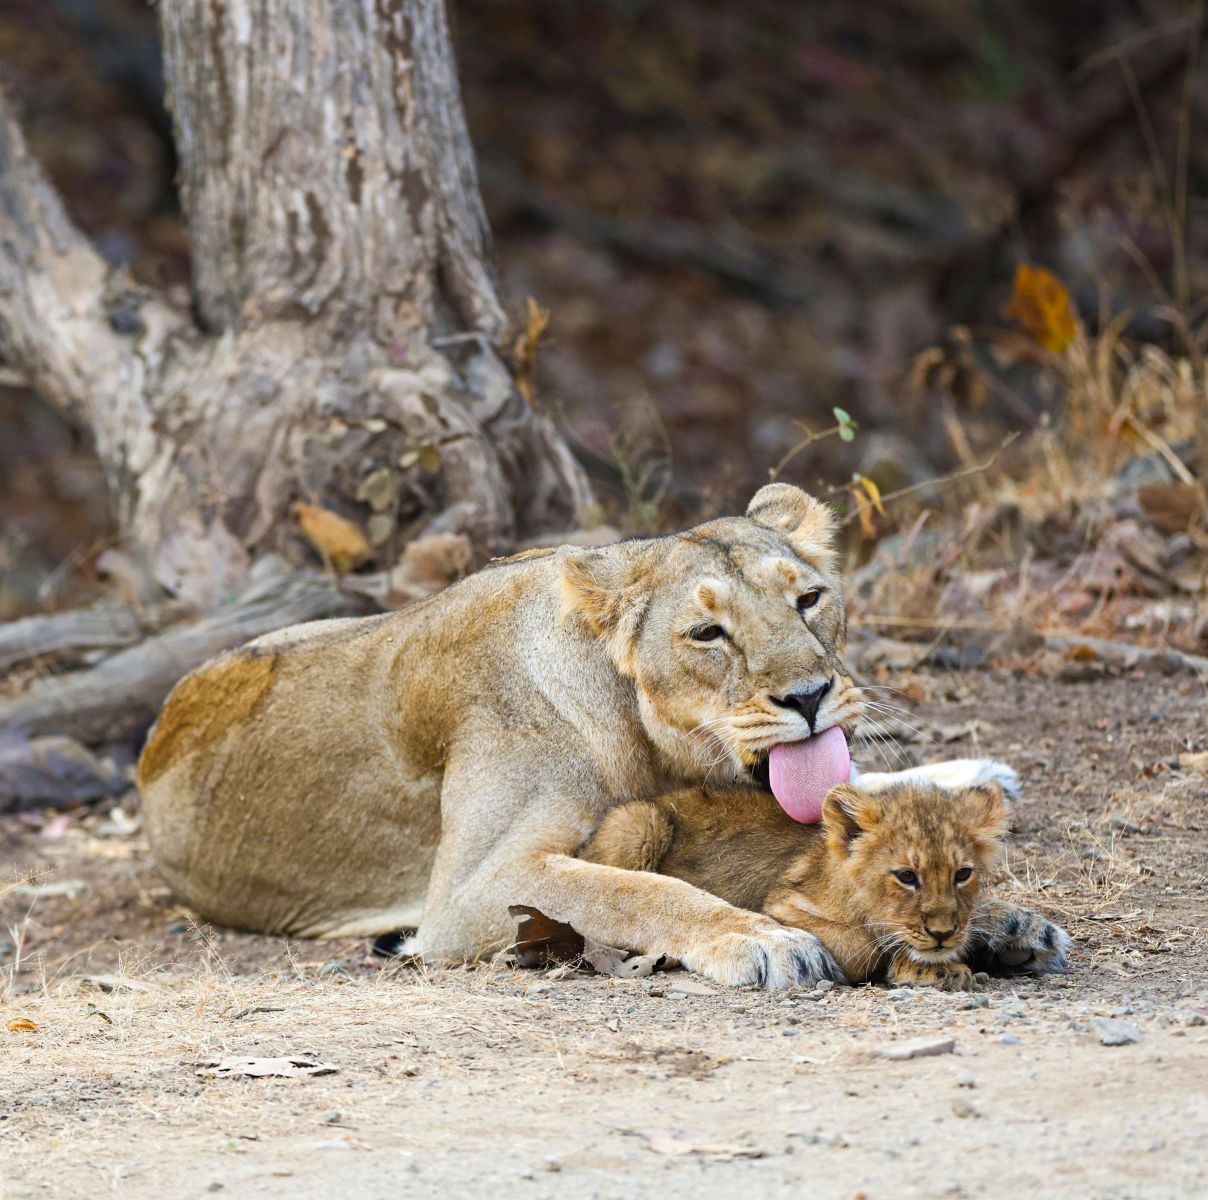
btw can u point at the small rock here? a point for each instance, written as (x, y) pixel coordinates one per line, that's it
(924, 1047)
(824, 985)
(689, 987)
(331, 1117)
(539, 989)
(1009, 1039)
(1113, 1032)
(976, 1001)
(1196, 1018)
(902, 994)
(965, 1079)
(962, 1108)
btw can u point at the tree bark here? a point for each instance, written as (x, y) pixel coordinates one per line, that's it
(347, 346)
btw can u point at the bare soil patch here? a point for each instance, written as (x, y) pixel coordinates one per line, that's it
(502, 1082)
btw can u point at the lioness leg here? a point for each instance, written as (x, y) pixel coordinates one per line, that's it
(500, 846)
(1007, 938)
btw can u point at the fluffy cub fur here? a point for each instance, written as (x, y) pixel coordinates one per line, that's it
(890, 880)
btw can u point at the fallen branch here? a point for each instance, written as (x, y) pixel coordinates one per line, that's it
(119, 697)
(103, 627)
(1129, 653)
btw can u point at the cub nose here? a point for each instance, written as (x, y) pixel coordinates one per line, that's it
(940, 935)
(807, 702)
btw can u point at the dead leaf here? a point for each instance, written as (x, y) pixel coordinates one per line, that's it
(1172, 507)
(299, 1066)
(619, 963)
(1041, 304)
(540, 940)
(678, 1143)
(336, 538)
(22, 1025)
(525, 350)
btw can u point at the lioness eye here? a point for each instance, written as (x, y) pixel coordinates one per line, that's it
(809, 599)
(964, 875)
(707, 633)
(907, 878)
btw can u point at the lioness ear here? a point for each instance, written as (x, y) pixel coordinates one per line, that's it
(848, 812)
(604, 589)
(808, 524)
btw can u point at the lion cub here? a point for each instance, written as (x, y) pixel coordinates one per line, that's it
(889, 881)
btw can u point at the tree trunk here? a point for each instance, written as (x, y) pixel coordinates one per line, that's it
(347, 346)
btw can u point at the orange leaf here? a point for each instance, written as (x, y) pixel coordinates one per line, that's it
(22, 1025)
(874, 492)
(526, 348)
(1042, 305)
(868, 527)
(336, 538)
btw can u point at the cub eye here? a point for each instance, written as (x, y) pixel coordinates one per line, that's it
(809, 599)
(707, 633)
(964, 875)
(907, 878)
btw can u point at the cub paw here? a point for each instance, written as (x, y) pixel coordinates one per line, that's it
(947, 976)
(1027, 942)
(767, 955)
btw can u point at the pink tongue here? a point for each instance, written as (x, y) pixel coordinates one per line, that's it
(803, 772)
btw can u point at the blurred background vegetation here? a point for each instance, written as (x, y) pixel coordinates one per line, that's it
(743, 217)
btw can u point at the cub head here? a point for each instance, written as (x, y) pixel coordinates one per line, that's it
(732, 632)
(916, 855)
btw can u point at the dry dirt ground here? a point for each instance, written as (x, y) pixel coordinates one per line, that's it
(491, 1081)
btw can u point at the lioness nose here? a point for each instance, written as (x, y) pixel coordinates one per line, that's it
(940, 935)
(806, 703)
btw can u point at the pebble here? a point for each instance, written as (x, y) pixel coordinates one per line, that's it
(1009, 1039)
(962, 1108)
(965, 1079)
(976, 1001)
(690, 987)
(1112, 1032)
(924, 1047)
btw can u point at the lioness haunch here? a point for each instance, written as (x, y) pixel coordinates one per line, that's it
(890, 881)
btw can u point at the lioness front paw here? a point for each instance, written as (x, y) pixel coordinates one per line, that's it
(1025, 941)
(768, 955)
(947, 976)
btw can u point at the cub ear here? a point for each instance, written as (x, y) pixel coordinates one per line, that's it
(808, 524)
(605, 590)
(988, 804)
(848, 812)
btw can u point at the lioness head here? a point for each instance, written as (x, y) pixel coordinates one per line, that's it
(732, 632)
(915, 855)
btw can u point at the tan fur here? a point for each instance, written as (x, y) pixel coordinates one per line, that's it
(837, 879)
(444, 762)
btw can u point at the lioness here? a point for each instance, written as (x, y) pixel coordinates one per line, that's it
(439, 764)
(890, 880)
